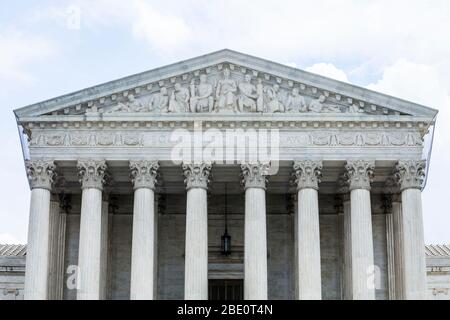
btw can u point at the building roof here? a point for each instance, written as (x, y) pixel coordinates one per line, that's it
(17, 250)
(437, 250)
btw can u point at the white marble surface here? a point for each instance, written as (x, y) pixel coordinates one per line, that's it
(196, 259)
(255, 260)
(143, 245)
(309, 264)
(89, 259)
(36, 276)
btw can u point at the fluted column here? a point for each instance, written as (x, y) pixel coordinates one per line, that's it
(255, 238)
(396, 204)
(56, 251)
(104, 238)
(359, 175)
(41, 175)
(197, 176)
(410, 175)
(92, 175)
(143, 255)
(307, 178)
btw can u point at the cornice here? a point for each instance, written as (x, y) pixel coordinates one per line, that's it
(226, 121)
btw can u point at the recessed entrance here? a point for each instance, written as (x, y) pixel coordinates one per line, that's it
(226, 289)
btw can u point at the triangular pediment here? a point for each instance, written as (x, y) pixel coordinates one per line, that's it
(226, 82)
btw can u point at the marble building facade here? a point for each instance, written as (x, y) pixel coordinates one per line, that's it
(320, 183)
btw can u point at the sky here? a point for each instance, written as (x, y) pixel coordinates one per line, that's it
(49, 48)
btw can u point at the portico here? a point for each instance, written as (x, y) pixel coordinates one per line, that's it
(323, 192)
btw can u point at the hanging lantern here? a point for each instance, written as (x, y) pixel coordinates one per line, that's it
(226, 238)
(226, 243)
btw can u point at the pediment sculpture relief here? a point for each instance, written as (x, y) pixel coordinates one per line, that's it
(227, 92)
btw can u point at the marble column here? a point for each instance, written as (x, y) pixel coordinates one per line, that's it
(56, 251)
(255, 235)
(390, 190)
(358, 223)
(346, 246)
(197, 176)
(410, 175)
(41, 175)
(307, 178)
(396, 204)
(92, 177)
(143, 255)
(104, 247)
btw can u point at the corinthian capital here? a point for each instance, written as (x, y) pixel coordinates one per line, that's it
(92, 173)
(197, 174)
(254, 174)
(359, 174)
(410, 174)
(41, 173)
(307, 174)
(144, 173)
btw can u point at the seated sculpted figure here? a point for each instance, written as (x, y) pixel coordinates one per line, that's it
(225, 93)
(318, 105)
(201, 96)
(247, 95)
(274, 103)
(295, 102)
(159, 101)
(179, 100)
(354, 108)
(131, 105)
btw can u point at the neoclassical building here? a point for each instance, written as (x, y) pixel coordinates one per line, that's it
(225, 176)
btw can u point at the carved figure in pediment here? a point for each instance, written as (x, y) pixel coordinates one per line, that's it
(318, 105)
(274, 99)
(354, 108)
(201, 95)
(259, 96)
(159, 101)
(179, 100)
(296, 102)
(226, 93)
(246, 99)
(131, 105)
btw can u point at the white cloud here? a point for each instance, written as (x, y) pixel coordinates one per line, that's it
(161, 30)
(328, 70)
(6, 238)
(18, 52)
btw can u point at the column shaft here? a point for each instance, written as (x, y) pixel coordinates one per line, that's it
(196, 252)
(398, 249)
(390, 249)
(361, 245)
(89, 259)
(347, 254)
(414, 267)
(143, 248)
(104, 250)
(56, 252)
(37, 262)
(309, 270)
(255, 256)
